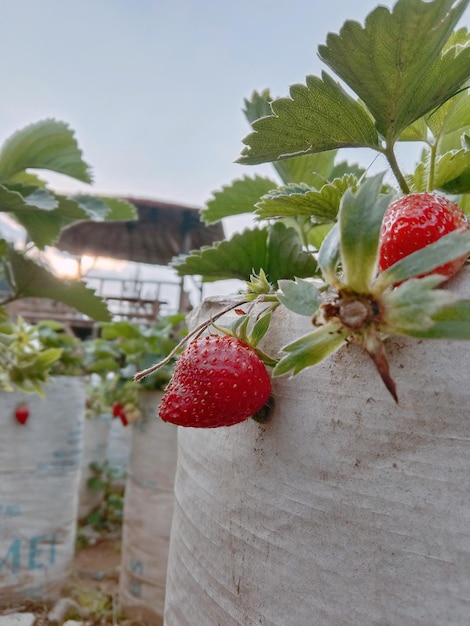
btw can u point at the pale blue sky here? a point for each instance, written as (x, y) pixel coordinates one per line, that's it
(154, 88)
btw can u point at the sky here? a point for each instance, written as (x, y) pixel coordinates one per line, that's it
(154, 89)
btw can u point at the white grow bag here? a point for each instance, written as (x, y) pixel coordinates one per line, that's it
(39, 476)
(344, 509)
(148, 510)
(95, 450)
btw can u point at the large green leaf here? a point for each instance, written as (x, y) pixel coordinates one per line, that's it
(300, 199)
(238, 197)
(31, 280)
(318, 116)
(360, 218)
(312, 169)
(276, 249)
(395, 64)
(49, 145)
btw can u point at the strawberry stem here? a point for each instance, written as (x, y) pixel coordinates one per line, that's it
(194, 333)
(391, 158)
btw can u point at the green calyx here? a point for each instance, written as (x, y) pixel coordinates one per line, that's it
(358, 304)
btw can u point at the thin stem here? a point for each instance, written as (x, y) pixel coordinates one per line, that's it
(391, 158)
(432, 166)
(194, 333)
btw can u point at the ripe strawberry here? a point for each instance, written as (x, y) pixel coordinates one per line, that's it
(416, 220)
(22, 413)
(117, 409)
(218, 381)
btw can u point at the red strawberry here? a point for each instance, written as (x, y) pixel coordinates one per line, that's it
(117, 409)
(22, 413)
(416, 220)
(218, 381)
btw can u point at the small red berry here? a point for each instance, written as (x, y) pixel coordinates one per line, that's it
(117, 409)
(123, 417)
(413, 222)
(218, 381)
(22, 413)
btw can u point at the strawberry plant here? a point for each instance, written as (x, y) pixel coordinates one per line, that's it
(329, 244)
(26, 198)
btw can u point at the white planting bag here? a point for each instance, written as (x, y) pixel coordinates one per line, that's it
(148, 510)
(95, 450)
(344, 509)
(39, 477)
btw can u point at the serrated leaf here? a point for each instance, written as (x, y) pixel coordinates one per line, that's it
(237, 257)
(412, 304)
(237, 198)
(452, 172)
(451, 322)
(311, 349)
(33, 280)
(258, 106)
(312, 169)
(407, 76)
(418, 131)
(277, 250)
(119, 209)
(300, 199)
(13, 201)
(44, 227)
(286, 256)
(318, 116)
(49, 145)
(360, 218)
(449, 247)
(299, 296)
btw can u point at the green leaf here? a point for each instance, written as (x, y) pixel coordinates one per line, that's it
(19, 199)
(277, 250)
(119, 209)
(299, 296)
(451, 322)
(299, 199)
(412, 304)
(329, 256)
(259, 329)
(33, 280)
(312, 169)
(238, 197)
(44, 227)
(452, 172)
(258, 106)
(406, 75)
(318, 116)
(48, 145)
(448, 248)
(360, 218)
(311, 349)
